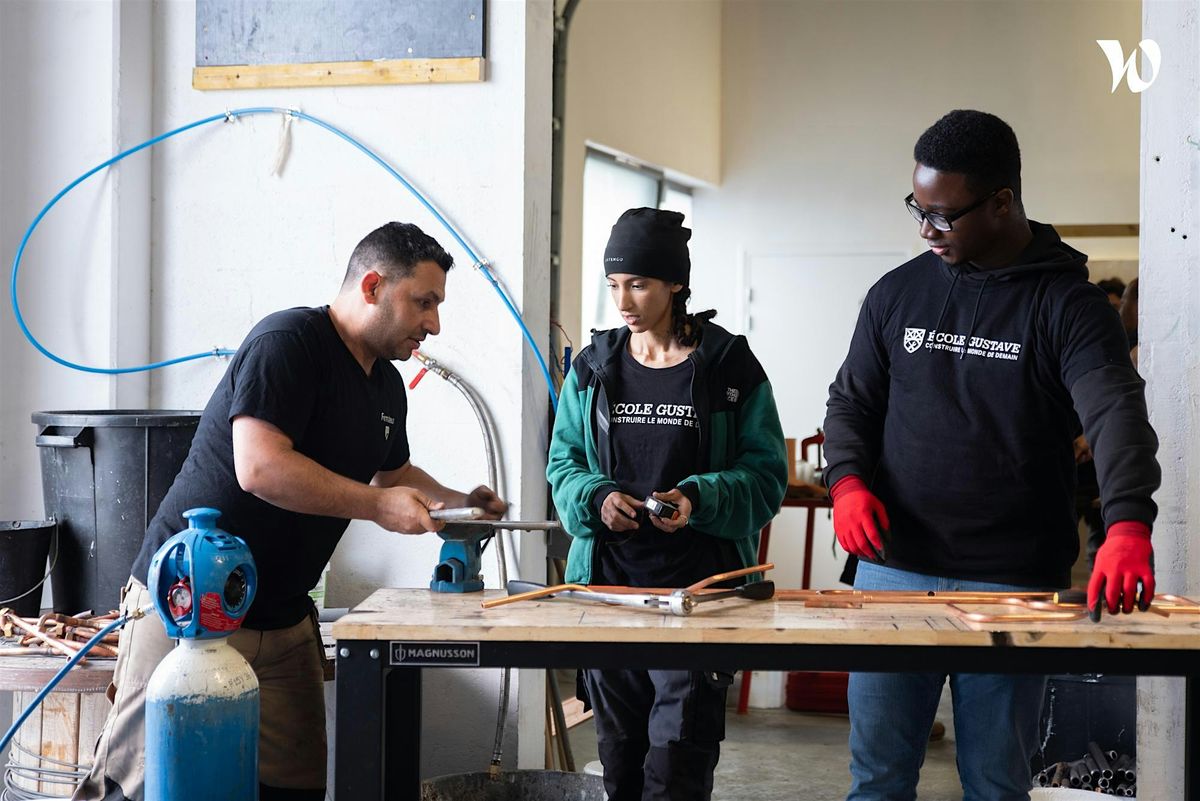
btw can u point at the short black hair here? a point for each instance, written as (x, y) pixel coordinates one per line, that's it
(394, 250)
(980, 145)
(1112, 286)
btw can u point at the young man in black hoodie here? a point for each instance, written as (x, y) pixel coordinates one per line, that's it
(949, 440)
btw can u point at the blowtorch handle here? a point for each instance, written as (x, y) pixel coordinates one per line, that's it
(754, 591)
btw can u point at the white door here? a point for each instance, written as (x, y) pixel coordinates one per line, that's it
(799, 312)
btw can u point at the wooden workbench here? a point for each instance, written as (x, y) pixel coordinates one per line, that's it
(385, 643)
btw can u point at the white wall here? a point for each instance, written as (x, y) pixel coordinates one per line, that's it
(228, 243)
(643, 79)
(822, 103)
(50, 51)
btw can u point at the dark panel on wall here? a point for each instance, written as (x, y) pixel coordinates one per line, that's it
(234, 32)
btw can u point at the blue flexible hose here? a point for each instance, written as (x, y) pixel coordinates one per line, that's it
(229, 115)
(72, 662)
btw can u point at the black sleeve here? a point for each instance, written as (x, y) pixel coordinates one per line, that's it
(858, 400)
(1110, 399)
(274, 380)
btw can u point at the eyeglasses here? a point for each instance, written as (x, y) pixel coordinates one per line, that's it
(940, 221)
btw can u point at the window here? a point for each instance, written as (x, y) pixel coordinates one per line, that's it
(611, 185)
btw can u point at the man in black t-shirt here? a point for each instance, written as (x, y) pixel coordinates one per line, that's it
(306, 431)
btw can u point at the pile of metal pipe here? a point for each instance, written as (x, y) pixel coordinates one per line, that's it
(1102, 771)
(55, 634)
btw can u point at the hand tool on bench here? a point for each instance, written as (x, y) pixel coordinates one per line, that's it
(680, 602)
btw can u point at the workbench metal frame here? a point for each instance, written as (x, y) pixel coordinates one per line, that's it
(379, 706)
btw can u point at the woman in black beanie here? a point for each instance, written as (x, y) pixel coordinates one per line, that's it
(672, 407)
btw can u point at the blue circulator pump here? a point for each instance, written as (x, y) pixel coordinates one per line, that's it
(202, 701)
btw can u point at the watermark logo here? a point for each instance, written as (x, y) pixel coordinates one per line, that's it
(1126, 67)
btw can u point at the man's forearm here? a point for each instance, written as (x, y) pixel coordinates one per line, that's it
(412, 476)
(295, 482)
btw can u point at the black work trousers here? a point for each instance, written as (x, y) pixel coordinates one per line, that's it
(659, 732)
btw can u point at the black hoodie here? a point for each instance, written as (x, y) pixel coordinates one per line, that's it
(958, 403)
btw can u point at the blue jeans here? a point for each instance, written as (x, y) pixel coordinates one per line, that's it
(995, 716)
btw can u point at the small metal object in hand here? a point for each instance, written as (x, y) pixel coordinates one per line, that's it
(460, 513)
(661, 508)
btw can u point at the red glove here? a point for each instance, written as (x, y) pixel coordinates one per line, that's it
(1122, 561)
(859, 519)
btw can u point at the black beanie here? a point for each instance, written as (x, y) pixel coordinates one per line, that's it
(651, 243)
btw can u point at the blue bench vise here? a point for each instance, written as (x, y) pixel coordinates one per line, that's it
(459, 567)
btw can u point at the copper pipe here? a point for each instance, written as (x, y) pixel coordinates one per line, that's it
(68, 620)
(617, 589)
(28, 652)
(533, 595)
(697, 587)
(718, 578)
(854, 599)
(62, 646)
(1032, 616)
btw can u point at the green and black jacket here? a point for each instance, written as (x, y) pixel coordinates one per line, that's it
(734, 492)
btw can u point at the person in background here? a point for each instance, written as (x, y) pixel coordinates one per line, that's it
(1114, 288)
(1129, 317)
(670, 406)
(949, 440)
(306, 431)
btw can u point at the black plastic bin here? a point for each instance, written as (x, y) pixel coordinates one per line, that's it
(514, 785)
(104, 473)
(24, 547)
(1084, 708)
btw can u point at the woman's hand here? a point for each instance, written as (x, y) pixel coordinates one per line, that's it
(620, 511)
(673, 524)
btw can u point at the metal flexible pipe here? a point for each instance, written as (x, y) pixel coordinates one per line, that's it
(491, 449)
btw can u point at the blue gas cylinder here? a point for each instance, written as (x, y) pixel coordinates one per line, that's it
(202, 700)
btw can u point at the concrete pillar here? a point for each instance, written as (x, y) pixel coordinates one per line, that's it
(535, 305)
(1168, 334)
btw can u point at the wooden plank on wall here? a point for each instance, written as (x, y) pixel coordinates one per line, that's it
(340, 73)
(1115, 229)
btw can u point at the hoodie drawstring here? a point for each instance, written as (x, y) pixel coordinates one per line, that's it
(974, 315)
(938, 325)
